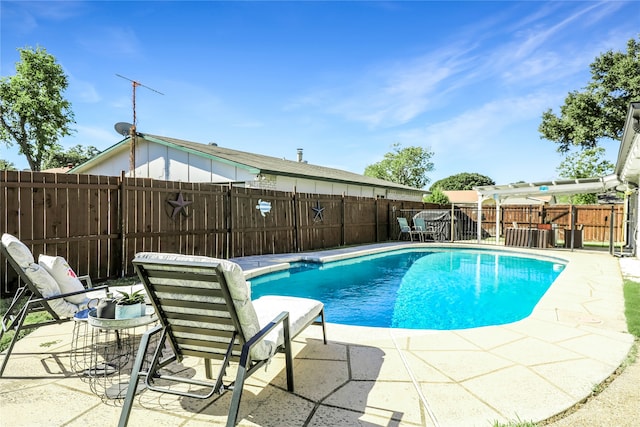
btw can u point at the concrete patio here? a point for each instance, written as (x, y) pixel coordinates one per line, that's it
(528, 370)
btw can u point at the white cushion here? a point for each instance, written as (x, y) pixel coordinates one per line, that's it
(64, 275)
(17, 250)
(238, 288)
(255, 315)
(48, 287)
(302, 311)
(232, 270)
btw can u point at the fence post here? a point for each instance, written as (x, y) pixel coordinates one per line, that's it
(479, 221)
(452, 236)
(572, 225)
(375, 204)
(611, 231)
(391, 215)
(229, 222)
(296, 225)
(342, 220)
(121, 224)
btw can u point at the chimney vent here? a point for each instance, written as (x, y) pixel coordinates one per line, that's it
(300, 155)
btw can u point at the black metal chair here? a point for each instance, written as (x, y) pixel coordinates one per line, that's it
(28, 299)
(204, 309)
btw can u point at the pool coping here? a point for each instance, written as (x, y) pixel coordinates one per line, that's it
(324, 258)
(283, 261)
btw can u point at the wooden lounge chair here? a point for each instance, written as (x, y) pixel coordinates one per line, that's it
(38, 292)
(204, 309)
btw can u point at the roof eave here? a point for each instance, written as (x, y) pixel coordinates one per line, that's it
(248, 168)
(97, 158)
(627, 148)
(339, 180)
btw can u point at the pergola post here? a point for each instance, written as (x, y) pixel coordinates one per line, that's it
(479, 230)
(498, 220)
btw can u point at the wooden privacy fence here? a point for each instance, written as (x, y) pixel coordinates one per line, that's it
(99, 223)
(74, 216)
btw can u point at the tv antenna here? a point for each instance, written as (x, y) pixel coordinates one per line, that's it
(132, 129)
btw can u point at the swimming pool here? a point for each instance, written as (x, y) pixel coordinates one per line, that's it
(420, 288)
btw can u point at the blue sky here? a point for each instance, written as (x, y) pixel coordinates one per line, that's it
(342, 80)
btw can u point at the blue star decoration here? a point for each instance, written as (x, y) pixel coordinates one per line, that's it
(318, 212)
(179, 206)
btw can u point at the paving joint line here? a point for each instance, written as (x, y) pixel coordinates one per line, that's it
(421, 395)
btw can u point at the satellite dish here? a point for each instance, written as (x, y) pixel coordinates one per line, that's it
(123, 128)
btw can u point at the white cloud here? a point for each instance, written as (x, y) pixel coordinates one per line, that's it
(474, 129)
(539, 51)
(24, 17)
(530, 53)
(391, 93)
(112, 42)
(83, 91)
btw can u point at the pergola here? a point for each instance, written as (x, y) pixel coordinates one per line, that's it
(500, 193)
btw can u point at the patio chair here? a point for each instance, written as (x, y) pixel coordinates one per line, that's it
(204, 309)
(428, 232)
(39, 291)
(406, 229)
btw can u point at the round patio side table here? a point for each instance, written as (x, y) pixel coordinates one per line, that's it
(113, 344)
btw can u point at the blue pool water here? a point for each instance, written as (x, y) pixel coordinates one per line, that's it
(419, 288)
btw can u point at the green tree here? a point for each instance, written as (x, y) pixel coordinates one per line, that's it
(437, 196)
(33, 112)
(599, 111)
(73, 156)
(6, 165)
(462, 181)
(408, 166)
(586, 163)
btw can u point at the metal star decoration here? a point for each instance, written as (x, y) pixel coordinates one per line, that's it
(318, 212)
(179, 206)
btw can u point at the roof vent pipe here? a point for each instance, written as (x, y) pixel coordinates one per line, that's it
(300, 155)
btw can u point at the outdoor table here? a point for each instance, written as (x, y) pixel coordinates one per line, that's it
(103, 351)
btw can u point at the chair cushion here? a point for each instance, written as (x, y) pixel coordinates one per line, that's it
(64, 275)
(302, 311)
(238, 288)
(17, 250)
(48, 287)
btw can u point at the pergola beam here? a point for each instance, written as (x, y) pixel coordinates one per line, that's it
(499, 193)
(565, 187)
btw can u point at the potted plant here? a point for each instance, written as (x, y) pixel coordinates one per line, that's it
(130, 305)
